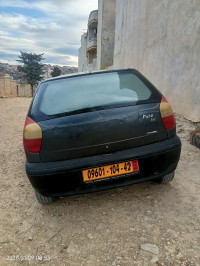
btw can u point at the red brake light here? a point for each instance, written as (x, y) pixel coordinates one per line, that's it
(167, 114)
(169, 122)
(32, 137)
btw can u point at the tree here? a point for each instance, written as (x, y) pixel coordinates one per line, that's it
(56, 71)
(32, 68)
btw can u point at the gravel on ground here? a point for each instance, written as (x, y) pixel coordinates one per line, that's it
(143, 224)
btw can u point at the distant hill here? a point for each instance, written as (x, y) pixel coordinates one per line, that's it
(64, 70)
(6, 68)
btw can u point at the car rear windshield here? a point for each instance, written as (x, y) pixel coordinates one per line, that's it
(89, 92)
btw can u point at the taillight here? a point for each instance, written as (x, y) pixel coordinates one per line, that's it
(32, 137)
(167, 114)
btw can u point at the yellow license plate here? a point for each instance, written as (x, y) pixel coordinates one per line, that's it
(110, 171)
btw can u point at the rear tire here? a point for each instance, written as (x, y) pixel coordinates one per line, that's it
(44, 200)
(166, 179)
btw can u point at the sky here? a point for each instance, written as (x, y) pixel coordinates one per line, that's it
(52, 27)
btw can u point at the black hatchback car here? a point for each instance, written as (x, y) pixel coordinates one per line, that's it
(95, 131)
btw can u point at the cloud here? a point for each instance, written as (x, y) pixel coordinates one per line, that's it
(62, 60)
(58, 8)
(64, 50)
(12, 44)
(8, 57)
(56, 32)
(22, 24)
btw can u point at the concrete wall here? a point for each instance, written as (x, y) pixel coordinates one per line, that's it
(82, 59)
(24, 90)
(161, 38)
(106, 33)
(10, 88)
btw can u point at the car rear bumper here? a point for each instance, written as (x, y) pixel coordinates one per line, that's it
(64, 178)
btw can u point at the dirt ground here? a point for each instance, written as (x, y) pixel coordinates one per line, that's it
(144, 224)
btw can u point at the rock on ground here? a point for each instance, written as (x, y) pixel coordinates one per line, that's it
(105, 228)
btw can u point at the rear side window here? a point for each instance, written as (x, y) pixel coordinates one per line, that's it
(89, 92)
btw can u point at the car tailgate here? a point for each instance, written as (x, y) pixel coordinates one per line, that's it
(101, 132)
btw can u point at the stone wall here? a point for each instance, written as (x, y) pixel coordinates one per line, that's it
(162, 40)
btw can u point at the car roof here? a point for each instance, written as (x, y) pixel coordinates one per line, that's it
(78, 74)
